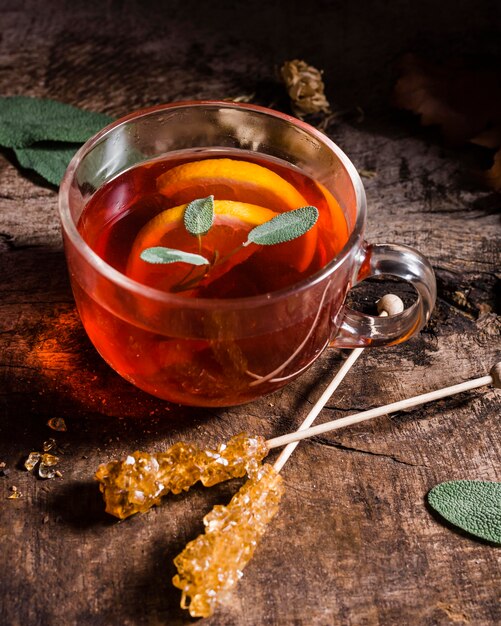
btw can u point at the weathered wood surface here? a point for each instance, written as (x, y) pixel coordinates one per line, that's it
(354, 542)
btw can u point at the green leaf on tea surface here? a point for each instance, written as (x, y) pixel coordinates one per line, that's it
(284, 227)
(199, 215)
(473, 505)
(48, 160)
(159, 254)
(25, 121)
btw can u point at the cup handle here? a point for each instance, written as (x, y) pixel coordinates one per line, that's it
(358, 330)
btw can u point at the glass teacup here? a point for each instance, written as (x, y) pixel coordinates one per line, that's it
(215, 351)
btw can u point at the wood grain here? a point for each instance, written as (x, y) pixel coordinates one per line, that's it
(354, 542)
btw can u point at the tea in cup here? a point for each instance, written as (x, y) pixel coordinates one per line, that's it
(211, 247)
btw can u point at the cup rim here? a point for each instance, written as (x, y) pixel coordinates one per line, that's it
(70, 229)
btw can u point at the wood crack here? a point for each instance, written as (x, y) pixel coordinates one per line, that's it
(340, 446)
(351, 409)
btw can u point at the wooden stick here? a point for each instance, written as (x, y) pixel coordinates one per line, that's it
(494, 378)
(388, 305)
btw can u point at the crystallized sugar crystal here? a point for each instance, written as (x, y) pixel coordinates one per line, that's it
(32, 460)
(137, 483)
(211, 565)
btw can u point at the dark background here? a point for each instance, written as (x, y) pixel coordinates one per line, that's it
(228, 45)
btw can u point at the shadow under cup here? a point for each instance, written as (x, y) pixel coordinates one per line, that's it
(207, 352)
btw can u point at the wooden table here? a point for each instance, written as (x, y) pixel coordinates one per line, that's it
(354, 542)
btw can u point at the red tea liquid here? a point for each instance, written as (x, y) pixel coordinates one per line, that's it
(213, 366)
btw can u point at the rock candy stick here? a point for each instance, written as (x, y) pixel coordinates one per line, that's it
(137, 483)
(212, 564)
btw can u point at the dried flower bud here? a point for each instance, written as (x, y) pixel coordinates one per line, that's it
(305, 87)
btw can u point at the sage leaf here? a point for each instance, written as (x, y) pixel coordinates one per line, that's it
(25, 121)
(161, 255)
(473, 505)
(48, 160)
(284, 227)
(199, 215)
